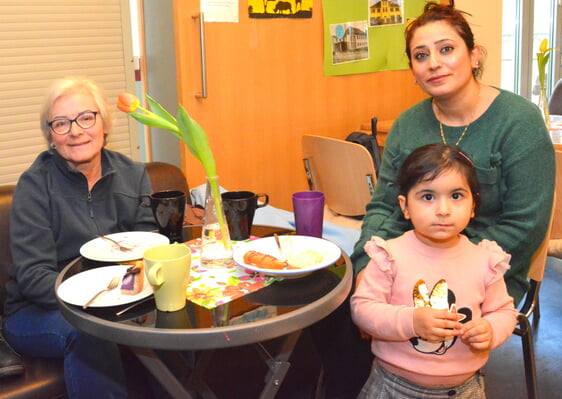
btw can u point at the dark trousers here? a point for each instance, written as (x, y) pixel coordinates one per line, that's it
(346, 357)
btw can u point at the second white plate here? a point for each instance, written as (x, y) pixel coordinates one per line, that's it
(105, 251)
(291, 244)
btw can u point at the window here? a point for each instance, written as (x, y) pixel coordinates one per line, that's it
(41, 41)
(525, 24)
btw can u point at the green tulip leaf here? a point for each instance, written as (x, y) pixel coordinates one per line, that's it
(156, 108)
(154, 121)
(196, 140)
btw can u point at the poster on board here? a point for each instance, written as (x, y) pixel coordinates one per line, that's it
(384, 13)
(350, 42)
(363, 36)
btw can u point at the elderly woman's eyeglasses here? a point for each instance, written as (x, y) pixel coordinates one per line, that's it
(85, 120)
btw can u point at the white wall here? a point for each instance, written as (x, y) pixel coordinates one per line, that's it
(486, 22)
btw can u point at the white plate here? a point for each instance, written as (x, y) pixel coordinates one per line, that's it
(81, 287)
(105, 251)
(292, 245)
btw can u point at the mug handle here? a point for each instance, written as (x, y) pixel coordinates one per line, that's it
(155, 276)
(143, 202)
(265, 201)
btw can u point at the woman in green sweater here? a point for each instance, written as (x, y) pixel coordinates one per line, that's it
(503, 133)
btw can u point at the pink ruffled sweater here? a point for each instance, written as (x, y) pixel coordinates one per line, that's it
(383, 304)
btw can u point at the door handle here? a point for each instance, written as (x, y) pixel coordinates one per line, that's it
(201, 18)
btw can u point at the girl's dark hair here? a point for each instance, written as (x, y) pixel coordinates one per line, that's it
(434, 12)
(429, 161)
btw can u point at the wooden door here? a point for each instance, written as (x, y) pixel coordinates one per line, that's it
(266, 88)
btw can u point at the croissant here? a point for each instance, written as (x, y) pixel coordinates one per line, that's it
(263, 261)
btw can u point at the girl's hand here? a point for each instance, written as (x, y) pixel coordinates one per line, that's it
(364, 335)
(477, 334)
(435, 325)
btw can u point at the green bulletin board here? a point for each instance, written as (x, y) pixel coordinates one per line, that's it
(386, 43)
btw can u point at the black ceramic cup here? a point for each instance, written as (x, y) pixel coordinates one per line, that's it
(239, 209)
(168, 208)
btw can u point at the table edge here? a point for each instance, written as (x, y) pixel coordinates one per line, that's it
(213, 337)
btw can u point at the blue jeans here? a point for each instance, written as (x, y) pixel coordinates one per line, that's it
(92, 367)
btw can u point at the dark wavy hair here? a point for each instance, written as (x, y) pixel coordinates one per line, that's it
(434, 12)
(429, 161)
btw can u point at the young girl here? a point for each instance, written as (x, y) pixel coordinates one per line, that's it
(434, 303)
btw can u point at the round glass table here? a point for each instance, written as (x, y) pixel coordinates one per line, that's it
(283, 308)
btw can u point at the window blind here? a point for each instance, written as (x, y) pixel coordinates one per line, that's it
(41, 41)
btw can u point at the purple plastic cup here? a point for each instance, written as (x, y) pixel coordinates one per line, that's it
(308, 207)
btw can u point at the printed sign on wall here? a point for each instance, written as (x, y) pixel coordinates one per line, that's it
(280, 8)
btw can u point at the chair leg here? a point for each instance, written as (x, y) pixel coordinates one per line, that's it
(536, 314)
(528, 357)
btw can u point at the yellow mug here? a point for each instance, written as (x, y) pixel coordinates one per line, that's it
(167, 269)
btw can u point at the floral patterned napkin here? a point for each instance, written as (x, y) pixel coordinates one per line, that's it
(213, 287)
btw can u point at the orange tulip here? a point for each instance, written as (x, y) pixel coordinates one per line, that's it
(127, 102)
(185, 129)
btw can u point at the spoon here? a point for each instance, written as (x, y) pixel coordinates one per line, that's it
(282, 257)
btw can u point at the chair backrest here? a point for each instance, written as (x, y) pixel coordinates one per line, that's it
(6, 194)
(343, 171)
(538, 261)
(165, 176)
(557, 227)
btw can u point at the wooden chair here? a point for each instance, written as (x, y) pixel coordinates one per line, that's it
(343, 171)
(557, 226)
(531, 309)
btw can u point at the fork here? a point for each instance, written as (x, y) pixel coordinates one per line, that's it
(112, 284)
(120, 246)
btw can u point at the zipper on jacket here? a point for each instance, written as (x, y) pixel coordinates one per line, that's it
(91, 212)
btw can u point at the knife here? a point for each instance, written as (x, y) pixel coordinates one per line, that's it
(134, 305)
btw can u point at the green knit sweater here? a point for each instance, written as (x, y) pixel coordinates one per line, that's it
(515, 163)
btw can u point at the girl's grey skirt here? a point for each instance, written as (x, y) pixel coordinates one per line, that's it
(384, 385)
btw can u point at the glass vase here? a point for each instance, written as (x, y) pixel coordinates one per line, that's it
(543, 105)
(216, 247)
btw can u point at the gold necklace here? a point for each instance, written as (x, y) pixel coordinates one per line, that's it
(460, 138)
(465, 128)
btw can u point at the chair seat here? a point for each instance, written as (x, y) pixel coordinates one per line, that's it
(43, 378)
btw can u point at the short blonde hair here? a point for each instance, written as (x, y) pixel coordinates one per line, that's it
(71, 85)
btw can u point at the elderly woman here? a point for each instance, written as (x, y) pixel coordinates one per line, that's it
(74, 191)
